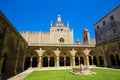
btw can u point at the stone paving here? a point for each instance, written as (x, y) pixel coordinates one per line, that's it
(24, 74)
(21, 76)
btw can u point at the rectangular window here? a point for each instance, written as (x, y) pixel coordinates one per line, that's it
(97, 26)
(99, 38)
(103, 23)
(114, 30)
(112, 18)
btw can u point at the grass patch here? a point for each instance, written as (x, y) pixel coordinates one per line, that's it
(101, 74)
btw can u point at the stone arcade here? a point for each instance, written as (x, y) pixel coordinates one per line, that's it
(20, 51)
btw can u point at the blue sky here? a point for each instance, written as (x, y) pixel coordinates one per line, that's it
(35, 15)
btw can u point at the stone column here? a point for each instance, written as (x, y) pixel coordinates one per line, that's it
(73, 51)
(79, 60)
(64, 61)
(87, 60)
(104, 59)
(39, 62)
(73, 61)
(57, 61)
(16, 63)
(48, 61)
(92, 60)
(23, 64)
(31, 62)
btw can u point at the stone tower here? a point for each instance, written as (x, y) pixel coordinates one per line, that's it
(61, 34)
(86, 36)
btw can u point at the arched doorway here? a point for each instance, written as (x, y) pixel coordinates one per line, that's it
(27, 63)
(34, 62)
(67, 61)
(113, 62)
(52, 61)
(45, 62)
(61, 61)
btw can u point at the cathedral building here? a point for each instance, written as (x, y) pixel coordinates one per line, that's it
(57, 48)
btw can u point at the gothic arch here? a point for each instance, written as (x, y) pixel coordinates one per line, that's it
(93, 58)
(112, 59)
(31, 59)
(80, 58)
(65, 58)
(48, 58)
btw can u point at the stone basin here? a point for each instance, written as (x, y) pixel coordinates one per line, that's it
(82, 71)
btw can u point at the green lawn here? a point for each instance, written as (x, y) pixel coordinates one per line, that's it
(101, 74)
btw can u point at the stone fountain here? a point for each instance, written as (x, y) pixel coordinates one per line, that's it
(82, 70)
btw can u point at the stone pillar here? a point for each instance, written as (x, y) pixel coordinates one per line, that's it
(73, 61)
(79, 60)
(104, 59)
(48, 61)
(92, 60)
(39, 62)
(23, 64)
(57, 61)
(87, 60)
(64, 61)
(16, 63)
(73, 51)
(31, 62)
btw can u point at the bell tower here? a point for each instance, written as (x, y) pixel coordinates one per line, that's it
(86, 36)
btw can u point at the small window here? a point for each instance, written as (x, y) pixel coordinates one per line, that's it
(114, 30)
(61, 40)
(97, 26)
(99, 38)
(61, 29)
(103, 22)
(112, 18)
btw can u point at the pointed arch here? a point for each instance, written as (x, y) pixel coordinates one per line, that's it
(65, 58)
(31, 59)
(48, 58)
(92, 57)
(113, 62)
(79, 58)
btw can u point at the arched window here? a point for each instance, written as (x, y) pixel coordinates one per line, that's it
(61, 40)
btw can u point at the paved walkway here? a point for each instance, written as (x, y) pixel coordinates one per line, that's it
(24, 74)
(21, 76)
